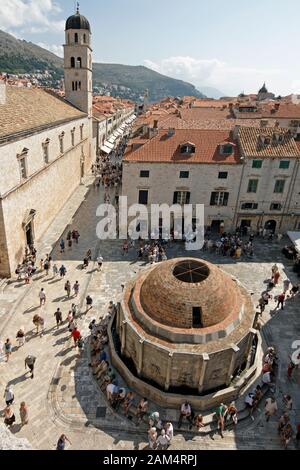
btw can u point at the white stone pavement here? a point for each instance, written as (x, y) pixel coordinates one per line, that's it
(63, 397)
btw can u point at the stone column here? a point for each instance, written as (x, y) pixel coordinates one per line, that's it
(203, 366)
(140, 357)
(235, 350)
(169, 368)
(123, 338)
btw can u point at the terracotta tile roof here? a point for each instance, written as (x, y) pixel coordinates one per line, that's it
(27, 109)
(205, 113)
(207, 124)
(165, 149)
(252, 145)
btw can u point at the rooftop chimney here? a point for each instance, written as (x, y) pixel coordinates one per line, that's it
(171, 131)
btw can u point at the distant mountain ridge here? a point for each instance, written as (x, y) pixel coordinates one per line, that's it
(20, 57)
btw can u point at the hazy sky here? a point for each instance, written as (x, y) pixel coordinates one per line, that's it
(233, 45)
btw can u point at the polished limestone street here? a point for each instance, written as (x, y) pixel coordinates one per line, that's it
(63, 396)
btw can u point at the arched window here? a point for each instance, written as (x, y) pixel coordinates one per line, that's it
(79, 63)
(76, 38)
(84, 38)
(90, 61)
(73, 86)
(72, 62)
(68, 38)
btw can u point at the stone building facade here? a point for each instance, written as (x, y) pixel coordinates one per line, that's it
(251, 185)
(46, 148)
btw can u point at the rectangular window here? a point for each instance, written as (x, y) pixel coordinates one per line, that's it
(184, 174)
(23, 169)
(197, 317)
(219, 199)
(249, 206)
(143, 196)
(46, 152)
(284, 164)
(279, 186)
(61, 144)
(223, 175)
(252, 186)
(81, 132)
(275, 206)
(257, 164)
(73, 137)
(181, 197)
(144, 174)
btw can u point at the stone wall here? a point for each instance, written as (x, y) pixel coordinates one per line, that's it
(46, 189)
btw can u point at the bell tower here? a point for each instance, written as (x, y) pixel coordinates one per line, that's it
(78, 63)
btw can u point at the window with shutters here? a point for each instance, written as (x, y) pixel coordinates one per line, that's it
(219, 198)
(279, 186)
(252, 186)
(181, 197)
(249, 206)
(284, 164)
(257, 164)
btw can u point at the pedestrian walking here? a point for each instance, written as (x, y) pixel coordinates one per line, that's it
(89, 303)
(62, 245)
(280, 300)
(7, 349)
(75, 335)
(270, 408)
(68, 288)
(23, 413)
(54, 270)
(74, 310)
(46, 267)
(286, 285)
(21, 336)
(30, 362)
(42, 297)
(62, 271)
(70, 244)
(76, 288)
(100, 262)
(61, 443)
(221, 413)
(9, 416)
(89, 255)
(9, 395)
(26, 278)
(58, 317)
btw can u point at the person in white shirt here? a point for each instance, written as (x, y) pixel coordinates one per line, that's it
(270, 408)
(100, 262)
(163, 441)
(169, 430)
(42, 296)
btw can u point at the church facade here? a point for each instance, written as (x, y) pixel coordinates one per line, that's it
(46, 148)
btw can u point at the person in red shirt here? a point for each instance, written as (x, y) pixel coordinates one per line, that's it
(75, 335)
(280, 300)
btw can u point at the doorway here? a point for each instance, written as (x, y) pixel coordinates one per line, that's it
(271, 225)
(215, 226)
(29, 234)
